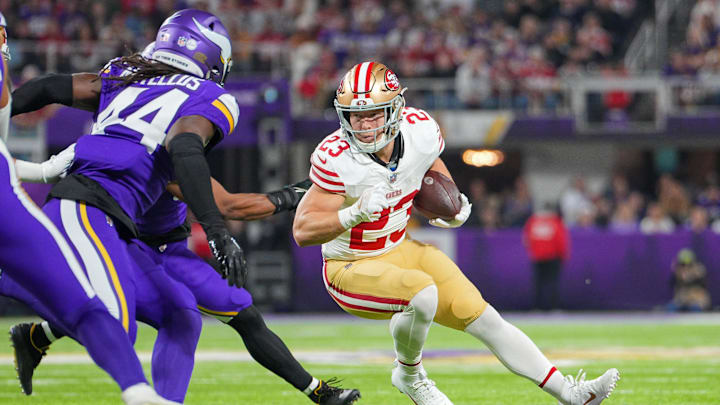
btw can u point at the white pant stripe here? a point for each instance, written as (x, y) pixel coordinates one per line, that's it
(99, 278)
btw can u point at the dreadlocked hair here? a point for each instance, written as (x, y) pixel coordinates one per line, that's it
(140, 69)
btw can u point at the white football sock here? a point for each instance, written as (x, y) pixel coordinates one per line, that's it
(310, 388)
(48, 332)
(517, 352)
(410, 328)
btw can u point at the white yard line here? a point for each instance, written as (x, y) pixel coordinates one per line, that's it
(437, 356)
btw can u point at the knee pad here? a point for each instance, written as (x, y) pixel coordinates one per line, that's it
(424, 303)
(247, 320)
(461, 309)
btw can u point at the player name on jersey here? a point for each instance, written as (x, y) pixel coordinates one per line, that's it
(337, 168)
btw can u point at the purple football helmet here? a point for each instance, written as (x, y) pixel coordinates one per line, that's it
(196, 42)
(148, 51)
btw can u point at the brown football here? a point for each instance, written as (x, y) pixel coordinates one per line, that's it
(438, 197)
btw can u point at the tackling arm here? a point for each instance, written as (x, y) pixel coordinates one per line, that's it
(237, 206)
(80, 90)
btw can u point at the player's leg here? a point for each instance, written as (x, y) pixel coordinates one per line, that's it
(37, 257)
(462, 307)
(233, 306)
(379, 288)
(94, 239)
(169, 307)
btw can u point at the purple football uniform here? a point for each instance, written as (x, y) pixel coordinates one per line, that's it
(36, 257)
(125, 154)
(163, 228)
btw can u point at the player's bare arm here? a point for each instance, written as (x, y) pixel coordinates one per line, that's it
(316, 219)
(79, 90)
(237, 206)
(439, 166)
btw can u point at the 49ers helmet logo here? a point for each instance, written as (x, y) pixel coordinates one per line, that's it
(391, 80)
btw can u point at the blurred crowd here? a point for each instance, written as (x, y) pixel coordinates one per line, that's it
(497, 53)
(698, 57)
(674, 205)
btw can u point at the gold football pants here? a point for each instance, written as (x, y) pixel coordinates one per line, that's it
(378, 287)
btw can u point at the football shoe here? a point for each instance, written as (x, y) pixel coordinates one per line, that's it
(591, 392)
(27, 355)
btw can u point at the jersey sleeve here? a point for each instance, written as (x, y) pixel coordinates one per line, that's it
(215, 104)
(323, 174)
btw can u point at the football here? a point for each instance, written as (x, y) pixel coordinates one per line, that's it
(438, 197)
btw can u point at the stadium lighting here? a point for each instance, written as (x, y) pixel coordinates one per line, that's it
(483, 157)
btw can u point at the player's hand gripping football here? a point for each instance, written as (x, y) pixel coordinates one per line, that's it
(367, 208)
(459, 219)
(230, 256)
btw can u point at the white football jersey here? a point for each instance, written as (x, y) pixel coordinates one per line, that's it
(337, 168)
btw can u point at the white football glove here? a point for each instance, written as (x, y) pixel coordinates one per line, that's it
(49, 171)
(367, 208)
(459, 219)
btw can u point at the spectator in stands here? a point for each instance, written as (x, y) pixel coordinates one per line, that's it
(698, 220)
(624, 219)
(546, 240)
(478, 195)
(656, 221)
(709, 198)
(689, 284)
(517, 207)
(472, 80)
(673, 198)
(574, 201)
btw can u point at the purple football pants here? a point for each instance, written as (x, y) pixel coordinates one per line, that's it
(213, 294)
(35, 254)
(135, 285)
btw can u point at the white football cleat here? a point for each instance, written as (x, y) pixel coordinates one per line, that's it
(143, 394)
(591, 392)
(420, 389)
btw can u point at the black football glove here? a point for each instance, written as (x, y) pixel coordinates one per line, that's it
(230, 256)
(288, 197)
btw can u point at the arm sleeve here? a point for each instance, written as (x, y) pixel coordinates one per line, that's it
(42, 91)
(193, 175)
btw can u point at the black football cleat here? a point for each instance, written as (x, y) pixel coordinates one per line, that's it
(27, 356)
(329, 393)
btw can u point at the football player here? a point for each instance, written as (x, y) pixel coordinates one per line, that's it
(55, 276)
(164, 229)
(153, 122)
(365, 177)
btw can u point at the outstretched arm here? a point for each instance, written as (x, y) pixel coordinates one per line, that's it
(237, 206)
(185, 142)
(80, 90)
(252, 206)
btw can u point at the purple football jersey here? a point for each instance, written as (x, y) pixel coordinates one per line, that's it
(124, 152)
(167, 214)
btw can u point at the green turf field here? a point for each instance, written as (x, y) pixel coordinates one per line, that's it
(663, 360)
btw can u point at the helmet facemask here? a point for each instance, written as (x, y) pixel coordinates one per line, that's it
(392, 111)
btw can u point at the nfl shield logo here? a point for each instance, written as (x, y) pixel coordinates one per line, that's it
(181, 41)
(392, 177)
